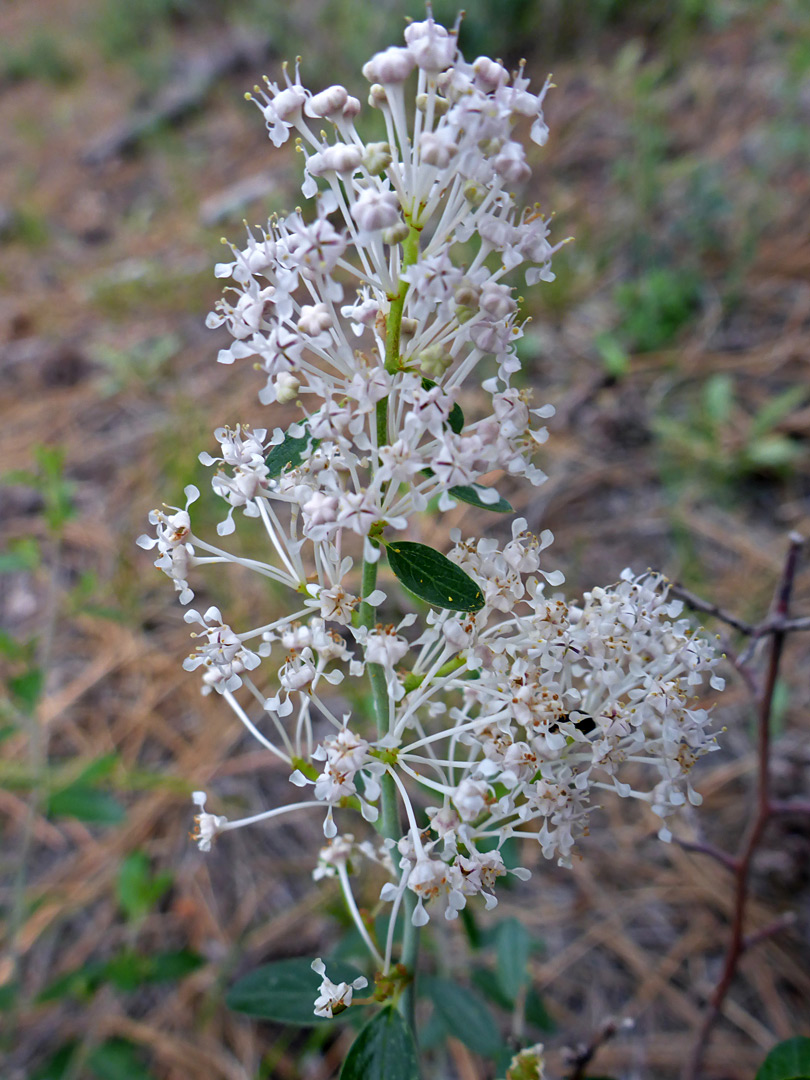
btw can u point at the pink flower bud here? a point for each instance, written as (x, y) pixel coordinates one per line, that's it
(431, 46)
(328, 103)
(392, 66)
(376, 210)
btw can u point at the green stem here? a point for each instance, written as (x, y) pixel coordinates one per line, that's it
(390, 825)
(410, 254)
(410, 958)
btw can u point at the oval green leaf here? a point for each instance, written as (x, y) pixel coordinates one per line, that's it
(384, 1048)
(470, 493)
(285, 990)
(512, 948)
(86, 804)
(291, 451)
(432, 577)
(464, 1015)
(789, 1060)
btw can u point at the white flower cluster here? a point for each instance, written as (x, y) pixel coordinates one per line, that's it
(505, 721)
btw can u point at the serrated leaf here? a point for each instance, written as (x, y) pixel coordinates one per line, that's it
(291, 452)
(789, 1060)
(455, 421)
(86, 804)
(383, 1049)
(285, 990)
(471, 494)
(464, 1015)
(512, 947)
(432, 577)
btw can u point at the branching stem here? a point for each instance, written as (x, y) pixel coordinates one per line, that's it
(765, 807)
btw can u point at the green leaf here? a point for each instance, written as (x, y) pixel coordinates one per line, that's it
(81, 983)
(775, 410)
(383, 1049)
(22, 555)
(285, 990)
(464, 1015)
(100, 768)
(455, 421)
(789, 1060)
(137, 889)
(291, 452)
(432, 577)
(86, 804)
(8, 995)
(773, 452)
(26, 689)
(470, 494)
(718, 398)
(613, 355)
(117, 1059)
(168, 966)
(58, 1066)
(536, 1012)
(512, 947)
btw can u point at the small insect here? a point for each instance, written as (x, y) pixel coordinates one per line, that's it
(585, 724)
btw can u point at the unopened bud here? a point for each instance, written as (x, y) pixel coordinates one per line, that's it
(434, 361)
(377, 97)
(396, 234)
(377, 157)
(286, 387)
(474, 194)
(328, 103)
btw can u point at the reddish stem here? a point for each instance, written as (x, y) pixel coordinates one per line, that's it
(763, 812)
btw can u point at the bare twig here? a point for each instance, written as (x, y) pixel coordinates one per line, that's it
(582, 1056)
(723, 857)
(774, 624)
(764, 809)
(698, 604)
(784, 922)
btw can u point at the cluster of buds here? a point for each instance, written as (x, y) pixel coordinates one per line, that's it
(499, 719)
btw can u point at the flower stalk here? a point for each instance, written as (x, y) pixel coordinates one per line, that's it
(499, 708)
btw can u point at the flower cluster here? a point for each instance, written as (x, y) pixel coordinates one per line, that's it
(506, 717)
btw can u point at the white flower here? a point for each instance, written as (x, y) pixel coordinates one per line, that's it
(206, 826)
(334, 998)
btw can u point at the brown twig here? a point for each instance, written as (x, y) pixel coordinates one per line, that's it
(698, 604)
(764, 809)
(723, 857)
(775, 624)
(784, 922)
(582, 1056)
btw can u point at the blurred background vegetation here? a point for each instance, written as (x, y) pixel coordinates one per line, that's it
(674, 342)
